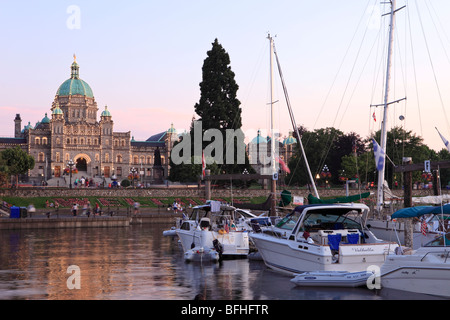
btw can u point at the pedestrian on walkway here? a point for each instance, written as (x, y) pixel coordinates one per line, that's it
(74, 209)
(136, 208)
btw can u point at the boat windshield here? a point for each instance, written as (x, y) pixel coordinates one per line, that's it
(439, 242)
(289, 221)
(326, 221)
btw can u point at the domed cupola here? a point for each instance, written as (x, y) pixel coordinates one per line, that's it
(57, 110)
(46, 119)
(259, 139)
(74, 85)
(289, 140)
(106, 112)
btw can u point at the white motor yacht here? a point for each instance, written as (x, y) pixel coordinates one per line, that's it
(425, 270)
(218, 227)
(322, 237)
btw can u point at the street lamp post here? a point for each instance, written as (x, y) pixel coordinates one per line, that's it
(70, 163)
(133, 175)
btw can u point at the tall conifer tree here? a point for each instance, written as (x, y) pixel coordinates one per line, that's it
(218, 106)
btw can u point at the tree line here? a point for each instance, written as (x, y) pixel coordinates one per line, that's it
(338, 156)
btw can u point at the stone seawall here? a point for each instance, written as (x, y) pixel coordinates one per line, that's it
(182, 192)
(40, 222)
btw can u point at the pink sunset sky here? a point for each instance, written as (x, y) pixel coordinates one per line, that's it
(143, 59)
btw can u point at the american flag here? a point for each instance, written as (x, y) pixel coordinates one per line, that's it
(423, 227)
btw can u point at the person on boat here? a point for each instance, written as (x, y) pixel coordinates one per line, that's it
(307, 237)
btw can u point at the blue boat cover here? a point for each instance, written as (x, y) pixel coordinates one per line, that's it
(418, 211)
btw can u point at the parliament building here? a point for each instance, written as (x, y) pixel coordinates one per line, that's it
(74, 133)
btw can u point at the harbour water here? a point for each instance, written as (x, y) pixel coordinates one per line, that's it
(138, 263)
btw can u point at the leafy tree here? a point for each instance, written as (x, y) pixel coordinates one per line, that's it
(16, 162)
(402, 143)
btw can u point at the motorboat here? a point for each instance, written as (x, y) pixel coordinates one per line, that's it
(322, 237)
(216, 227)
(425, 270)
(333, 279)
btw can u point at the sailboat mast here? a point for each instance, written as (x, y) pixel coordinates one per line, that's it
(381, 173)
(272, 138)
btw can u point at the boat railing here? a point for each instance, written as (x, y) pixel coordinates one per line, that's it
(444, 254)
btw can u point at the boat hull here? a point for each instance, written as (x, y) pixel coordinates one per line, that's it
(234, 244)
(414, 273)
(292, 257)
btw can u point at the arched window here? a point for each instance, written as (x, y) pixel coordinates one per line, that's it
(68, 141)
(41, 157)
(135, 160)
(37, 140)
(106, 157)
(119, 158)
(149, 160)
(44, 140)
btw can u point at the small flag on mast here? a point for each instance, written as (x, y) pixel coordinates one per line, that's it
(283, 165)
(379, 155)
(444, 140)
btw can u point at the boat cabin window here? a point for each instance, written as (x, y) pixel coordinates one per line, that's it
(185, 226)
(439, 242)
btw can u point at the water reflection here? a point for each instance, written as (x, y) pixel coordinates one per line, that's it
(136, 263)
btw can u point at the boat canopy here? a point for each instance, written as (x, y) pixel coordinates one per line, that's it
(418, 211)
(338, 208)
(348, 199)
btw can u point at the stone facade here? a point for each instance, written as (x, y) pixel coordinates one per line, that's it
(100, 154)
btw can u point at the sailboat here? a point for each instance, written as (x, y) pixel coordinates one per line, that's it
(321, 237)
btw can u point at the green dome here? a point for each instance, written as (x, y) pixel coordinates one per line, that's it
(171, 129)
(46, 119)
(289, 140)
(259, 139)
(72, 87)
(106, 113)
(57, 110)
(75, 85)
(28, 126)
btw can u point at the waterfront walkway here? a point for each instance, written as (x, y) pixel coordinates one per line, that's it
(65, 219)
